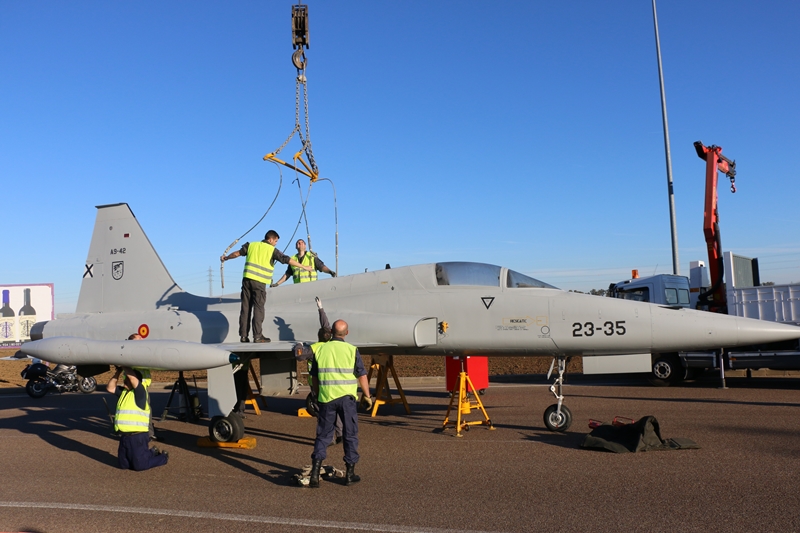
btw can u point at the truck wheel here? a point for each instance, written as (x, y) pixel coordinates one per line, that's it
(667, 369)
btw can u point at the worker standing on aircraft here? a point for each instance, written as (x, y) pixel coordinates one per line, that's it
(337, 371)
(304, 258)
(261, 258)
(131, 421)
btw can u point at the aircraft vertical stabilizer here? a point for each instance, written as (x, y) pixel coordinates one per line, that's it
(123, 271)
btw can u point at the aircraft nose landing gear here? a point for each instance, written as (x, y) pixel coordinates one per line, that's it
(558, 417)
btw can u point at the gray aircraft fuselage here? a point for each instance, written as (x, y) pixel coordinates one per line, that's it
(451, 308)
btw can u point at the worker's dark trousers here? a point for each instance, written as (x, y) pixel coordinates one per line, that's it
(326, 420)
(254, 296)
(134, 454)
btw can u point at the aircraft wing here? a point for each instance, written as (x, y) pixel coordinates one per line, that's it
(256, 347)
(285, 346)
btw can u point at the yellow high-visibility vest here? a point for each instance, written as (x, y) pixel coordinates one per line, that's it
(301, 276)
(336, 362)
(259, 264)
(129, 418)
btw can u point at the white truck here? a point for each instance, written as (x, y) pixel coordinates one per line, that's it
(745, 298)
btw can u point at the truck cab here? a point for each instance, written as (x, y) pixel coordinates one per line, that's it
(664, 289)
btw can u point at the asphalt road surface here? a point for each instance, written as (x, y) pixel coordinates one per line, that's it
(58, 464)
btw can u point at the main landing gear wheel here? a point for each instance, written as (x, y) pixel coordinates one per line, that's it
(555, 421)
(226, 428)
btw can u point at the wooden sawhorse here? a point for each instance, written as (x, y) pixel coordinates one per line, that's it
(384, 364)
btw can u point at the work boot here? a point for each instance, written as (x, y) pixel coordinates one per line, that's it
(315, 467)
(350, 477)
(261, 339)
(244, 339)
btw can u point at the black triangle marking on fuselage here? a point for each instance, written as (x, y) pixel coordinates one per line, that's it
(487, 301)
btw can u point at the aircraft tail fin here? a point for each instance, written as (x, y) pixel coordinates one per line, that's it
(123, 271)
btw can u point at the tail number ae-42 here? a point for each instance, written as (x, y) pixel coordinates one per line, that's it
(588, 329)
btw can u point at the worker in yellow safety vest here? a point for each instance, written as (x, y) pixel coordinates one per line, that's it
(131, 421)
(146, 381)
(259, 265)
(307, 259)
(305, 352)
(337, 371)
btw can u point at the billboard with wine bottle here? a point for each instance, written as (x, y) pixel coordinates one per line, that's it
(21, 307)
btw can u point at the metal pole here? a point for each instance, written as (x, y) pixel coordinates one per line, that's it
(676, 269)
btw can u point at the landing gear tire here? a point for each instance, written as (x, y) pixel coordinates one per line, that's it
(555, 421)
(87, 385)
(36, 389)
(226, 428)
(667, 369)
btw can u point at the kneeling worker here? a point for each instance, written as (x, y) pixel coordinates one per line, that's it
(337, 370)
(132, 421)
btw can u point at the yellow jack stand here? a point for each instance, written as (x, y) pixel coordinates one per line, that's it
(252, 399)
(465, 405)
(384, 364)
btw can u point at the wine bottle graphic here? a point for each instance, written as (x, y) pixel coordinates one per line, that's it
(8, 322)
(27, 317)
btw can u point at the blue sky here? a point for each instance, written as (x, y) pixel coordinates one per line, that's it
(526, 134)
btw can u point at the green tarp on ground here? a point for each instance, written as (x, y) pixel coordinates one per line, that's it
(640, 436)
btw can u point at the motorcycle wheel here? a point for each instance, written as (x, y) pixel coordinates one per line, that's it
(36, 389)
(87, 385)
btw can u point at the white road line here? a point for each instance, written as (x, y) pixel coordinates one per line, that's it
(353, 526)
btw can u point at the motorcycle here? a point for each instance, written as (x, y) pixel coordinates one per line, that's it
(62, 378)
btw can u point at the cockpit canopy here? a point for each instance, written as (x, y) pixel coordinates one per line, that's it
(481, 274)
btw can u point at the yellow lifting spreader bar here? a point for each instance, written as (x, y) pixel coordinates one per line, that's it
(313, 176)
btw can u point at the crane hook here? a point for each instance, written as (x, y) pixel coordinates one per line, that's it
(299, 59)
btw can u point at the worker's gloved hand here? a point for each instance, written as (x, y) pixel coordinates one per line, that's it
(273, 285)
(319, 302)
(222, 258)
(298, 350)
(367, 402)
(333, 274)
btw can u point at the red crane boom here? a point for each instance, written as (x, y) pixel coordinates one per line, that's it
(715, 162)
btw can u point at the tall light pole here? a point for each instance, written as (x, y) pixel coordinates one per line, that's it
(676, 269)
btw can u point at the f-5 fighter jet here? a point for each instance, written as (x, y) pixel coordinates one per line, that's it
(450, 308)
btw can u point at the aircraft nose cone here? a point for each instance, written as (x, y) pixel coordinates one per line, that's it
(753, 331)
(685, 329)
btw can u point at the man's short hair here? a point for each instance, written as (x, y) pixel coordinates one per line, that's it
(136, 373)
(324, 335)
(272, 234)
